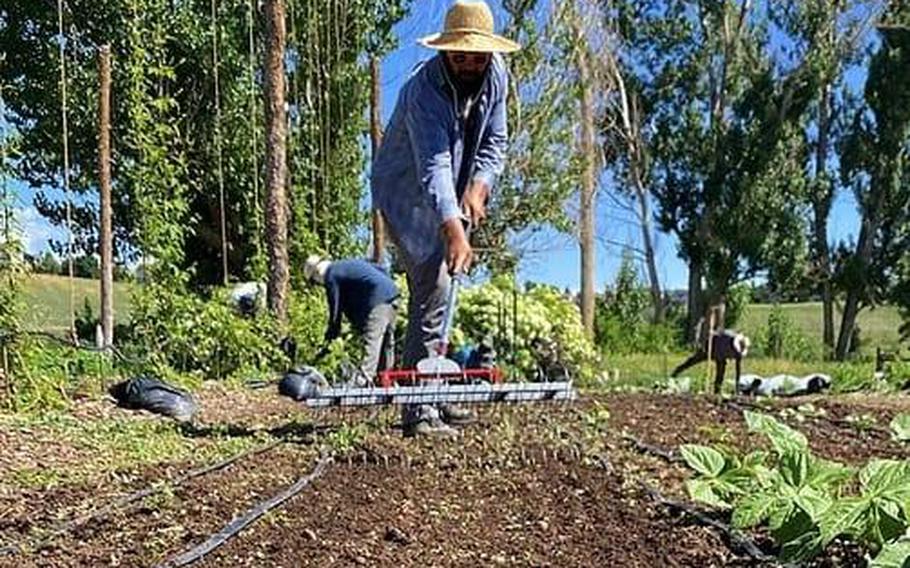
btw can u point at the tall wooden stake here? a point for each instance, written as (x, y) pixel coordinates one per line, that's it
(376, 139)
(104, 185)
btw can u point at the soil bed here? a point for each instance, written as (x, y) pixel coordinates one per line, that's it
(539, 485)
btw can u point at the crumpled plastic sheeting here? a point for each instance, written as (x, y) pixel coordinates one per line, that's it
(154, 395)
(783, 385)
(301, 383)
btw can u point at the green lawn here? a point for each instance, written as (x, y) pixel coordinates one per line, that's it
(647, 370)
(878, 327)
(47, 299)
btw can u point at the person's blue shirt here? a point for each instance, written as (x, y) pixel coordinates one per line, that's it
(418, 175)
(353, 288)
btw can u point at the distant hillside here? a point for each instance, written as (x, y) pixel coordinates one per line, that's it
(878, 327)
(48, 298)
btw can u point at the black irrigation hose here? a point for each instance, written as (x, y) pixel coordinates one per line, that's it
(666, 455)
(68, 526)
(240, 523)
(738, 540)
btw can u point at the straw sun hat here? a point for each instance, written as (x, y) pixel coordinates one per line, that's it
(469, 27)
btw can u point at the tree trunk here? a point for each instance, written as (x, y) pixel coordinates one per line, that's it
(106, 244)
(821, 208)
(862, 256)
(588, 183)
(275, 160)
(644, 214)
(376, 140)
(694, 311)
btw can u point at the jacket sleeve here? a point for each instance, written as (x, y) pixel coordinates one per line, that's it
(491, 152)
(332, 293)
(425, 120)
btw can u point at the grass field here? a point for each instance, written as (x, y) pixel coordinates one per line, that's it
(47, 298)
(650, 370)
(878, 327)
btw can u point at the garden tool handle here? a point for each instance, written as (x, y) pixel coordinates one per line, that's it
(451, 300)
(449, 317)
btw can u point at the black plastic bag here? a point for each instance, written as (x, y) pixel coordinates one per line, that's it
(154, 395)
(301, 383)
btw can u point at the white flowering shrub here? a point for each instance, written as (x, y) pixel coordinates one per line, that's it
(543, 312)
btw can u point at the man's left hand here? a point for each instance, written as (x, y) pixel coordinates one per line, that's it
(475, 202)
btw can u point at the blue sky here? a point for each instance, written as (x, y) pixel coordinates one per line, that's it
(555, 259)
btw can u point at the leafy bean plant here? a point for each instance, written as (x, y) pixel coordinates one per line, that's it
(805, 501)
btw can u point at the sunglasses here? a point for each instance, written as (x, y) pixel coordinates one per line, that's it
(461, 58)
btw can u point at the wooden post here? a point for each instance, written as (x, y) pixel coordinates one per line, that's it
(275, 160)
(376, 140)
(104, 184)
(708, 348)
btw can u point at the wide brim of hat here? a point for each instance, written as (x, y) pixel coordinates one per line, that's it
(472, 41)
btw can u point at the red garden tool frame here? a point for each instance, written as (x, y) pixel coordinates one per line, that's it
(394, 377)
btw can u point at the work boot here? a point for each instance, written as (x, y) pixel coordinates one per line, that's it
(431, 429)
(423, 420)
(455, 415)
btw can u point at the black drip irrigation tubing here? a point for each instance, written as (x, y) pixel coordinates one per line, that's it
(126, 500)
(234, 527)
(645, 448)
(738, 540)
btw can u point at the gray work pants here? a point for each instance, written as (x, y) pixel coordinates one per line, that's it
(378, 336)
(428, 288)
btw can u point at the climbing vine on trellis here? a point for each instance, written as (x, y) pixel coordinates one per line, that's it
(329, 90)
(155, 171)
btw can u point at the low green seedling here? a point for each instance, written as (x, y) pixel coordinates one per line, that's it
(900, 428)
(862, 422)
(805, 501)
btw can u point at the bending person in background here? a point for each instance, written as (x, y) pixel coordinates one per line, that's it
(368, 297)
(725, 345)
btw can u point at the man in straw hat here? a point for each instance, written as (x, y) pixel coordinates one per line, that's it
(441, 154)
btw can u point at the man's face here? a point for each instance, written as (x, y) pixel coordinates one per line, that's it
(469, 67)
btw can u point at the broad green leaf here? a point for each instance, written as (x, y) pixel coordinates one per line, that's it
(880, 477)
(765, 476)
(783, 438)
(900, 428)
(794, 468)
(828, 475)
(801, 548)
(845, 517)
(752, 510)
(893, 555)
(813, 502)
(780, 512)
(701, 490)
(754, 459)
(798, 526)
(884, 523)
(736, 481)
(706, 461)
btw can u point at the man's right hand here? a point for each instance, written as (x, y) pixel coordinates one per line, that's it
(458, 250)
